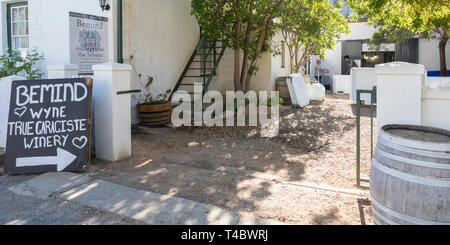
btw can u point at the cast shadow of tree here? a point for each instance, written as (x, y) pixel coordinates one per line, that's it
(213, 165)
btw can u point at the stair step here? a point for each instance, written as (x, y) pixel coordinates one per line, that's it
(199, 69)
(200, 61)
(187, 84)
(204, 75)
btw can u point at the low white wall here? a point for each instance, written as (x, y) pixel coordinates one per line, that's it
(5, 97)
(436, 103)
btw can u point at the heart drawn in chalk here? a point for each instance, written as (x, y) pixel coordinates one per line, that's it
(20, 111)
(80, 142)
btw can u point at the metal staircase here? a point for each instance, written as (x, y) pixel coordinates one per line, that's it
(201, 67)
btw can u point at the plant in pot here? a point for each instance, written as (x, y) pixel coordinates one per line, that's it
(153, 111)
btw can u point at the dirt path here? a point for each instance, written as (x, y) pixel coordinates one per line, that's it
(306, 175)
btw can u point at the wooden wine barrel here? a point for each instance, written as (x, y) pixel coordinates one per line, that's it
(155, 115)
(410, 176)
(282, 87)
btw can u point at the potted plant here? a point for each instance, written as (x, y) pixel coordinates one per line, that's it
(153, 111)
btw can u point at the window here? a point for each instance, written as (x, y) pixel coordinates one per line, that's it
(18, 26)
(283, 54)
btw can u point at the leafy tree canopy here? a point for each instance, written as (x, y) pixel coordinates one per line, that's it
(399, 20)
(311, 27)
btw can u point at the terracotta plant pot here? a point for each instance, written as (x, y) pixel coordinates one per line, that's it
(155, 115)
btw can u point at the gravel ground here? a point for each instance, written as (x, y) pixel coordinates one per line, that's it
(236, 169)
(21, 210)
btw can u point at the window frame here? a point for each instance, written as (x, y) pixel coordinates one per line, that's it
(9, 21)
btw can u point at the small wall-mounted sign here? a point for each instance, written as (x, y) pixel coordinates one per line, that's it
(49, 126)
(88, 41)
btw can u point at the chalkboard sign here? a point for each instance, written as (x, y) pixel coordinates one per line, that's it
(49, 126)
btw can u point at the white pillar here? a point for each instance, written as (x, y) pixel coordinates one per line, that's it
(112, 111)
(62, 71)
(399, 93)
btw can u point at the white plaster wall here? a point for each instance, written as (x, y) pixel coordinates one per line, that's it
(429, 54)
(359, 31)
(333, 57)
(223, 81)
(161, 36)
(276, 60)
(269, 69)
(428, 49)
(332, 60)
(49, 27)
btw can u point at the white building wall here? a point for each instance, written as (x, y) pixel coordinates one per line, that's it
(428, 49)
(160, 35)
(429, 54)
(333, 58)
(49, 27)
(359, 31)
(269, 69)
(276, 60)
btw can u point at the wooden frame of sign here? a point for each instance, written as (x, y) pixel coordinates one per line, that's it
(49, 126)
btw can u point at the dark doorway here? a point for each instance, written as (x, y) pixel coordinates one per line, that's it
(352, 49)
(408, 51)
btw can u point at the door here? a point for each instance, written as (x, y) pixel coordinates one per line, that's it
(408, 51)
(352, 49)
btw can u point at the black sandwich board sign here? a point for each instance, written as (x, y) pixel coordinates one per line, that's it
(49, 126)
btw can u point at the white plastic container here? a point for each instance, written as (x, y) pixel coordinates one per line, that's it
(363, 79)
(399, 93)
(316, 92)
(342, 84)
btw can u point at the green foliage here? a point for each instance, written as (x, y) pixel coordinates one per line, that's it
(400, 20)
(146, 97)
(310, 27)
(245, 25)
(12, 63)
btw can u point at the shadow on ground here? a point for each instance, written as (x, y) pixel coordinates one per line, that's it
(234, 168)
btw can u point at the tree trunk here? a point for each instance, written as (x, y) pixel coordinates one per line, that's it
(237, 70)
(262, 38)
(442, 57)
(237, 54)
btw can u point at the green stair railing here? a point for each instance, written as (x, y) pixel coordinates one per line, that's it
(210, 53)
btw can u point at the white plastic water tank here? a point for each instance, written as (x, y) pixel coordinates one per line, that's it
(5, 96)
(342, 84)
(316, 92)
(363, 79)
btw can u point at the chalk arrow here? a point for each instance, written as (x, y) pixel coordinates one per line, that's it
(62, 160)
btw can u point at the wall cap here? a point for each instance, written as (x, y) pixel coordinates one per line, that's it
(400, 68)
(12, 78)
(112, 67)
(62, 67)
